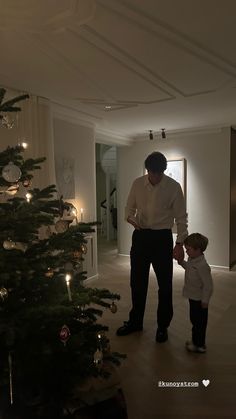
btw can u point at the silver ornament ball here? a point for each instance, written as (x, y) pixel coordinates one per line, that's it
(11, 172)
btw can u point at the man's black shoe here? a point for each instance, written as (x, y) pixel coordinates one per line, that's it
(161, 335)
(127, 329)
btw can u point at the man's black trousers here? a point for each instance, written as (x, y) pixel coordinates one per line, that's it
(151, 247)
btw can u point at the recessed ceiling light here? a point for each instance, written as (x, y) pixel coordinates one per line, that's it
(107, 107)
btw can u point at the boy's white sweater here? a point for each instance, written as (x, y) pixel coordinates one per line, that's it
(198, 284)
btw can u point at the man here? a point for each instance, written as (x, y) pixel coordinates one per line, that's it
(155, 201)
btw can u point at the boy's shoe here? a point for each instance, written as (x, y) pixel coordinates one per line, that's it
(201, 349)
(161, 335)
(193, 348)
(128, 328)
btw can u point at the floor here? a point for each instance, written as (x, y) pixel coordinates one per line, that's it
(150, 368)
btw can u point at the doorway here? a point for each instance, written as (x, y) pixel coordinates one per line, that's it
(106, 193)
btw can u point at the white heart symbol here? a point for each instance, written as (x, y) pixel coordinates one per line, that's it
(206, 382)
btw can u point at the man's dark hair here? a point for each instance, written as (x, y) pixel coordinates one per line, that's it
(156, 162)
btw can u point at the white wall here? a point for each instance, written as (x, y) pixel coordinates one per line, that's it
(208, 185)
(34, 126)
(72, 141)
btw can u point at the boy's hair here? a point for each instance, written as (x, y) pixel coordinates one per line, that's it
(156, 162)
(196, 241)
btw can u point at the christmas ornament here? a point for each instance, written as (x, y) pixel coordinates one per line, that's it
(70, 212)
(49, 273)
(61, 226)
(64, 334)
(113, 307)
(98, 357)
(13, 189)
(84, 249)
(77, 254)
(3, 293)
(11, 172)
(26, 183)
(9, 244)
(20, 246)
(68, 266)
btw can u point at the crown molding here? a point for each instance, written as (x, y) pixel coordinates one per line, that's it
(103, 136)
(73, 116)
(78, 117)
(197, 130)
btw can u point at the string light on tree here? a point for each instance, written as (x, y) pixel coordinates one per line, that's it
(24, 145)
(81, 215)
(28, 196)
(68, 279)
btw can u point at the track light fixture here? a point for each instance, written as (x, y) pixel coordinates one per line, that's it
(150, 134)
(163, 133)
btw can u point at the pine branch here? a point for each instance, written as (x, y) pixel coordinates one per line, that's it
(8, 106)
(2, 94)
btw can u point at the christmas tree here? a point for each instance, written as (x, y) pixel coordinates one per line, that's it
(51, 341)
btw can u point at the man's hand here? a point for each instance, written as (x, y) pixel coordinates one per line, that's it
(204, 305)
(133, 223)
(178, 252)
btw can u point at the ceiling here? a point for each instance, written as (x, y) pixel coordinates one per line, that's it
(127, 66)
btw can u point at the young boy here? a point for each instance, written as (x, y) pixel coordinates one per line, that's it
(198, 288)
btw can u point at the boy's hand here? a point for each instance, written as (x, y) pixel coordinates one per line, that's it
(178, 252)
(204, 305)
